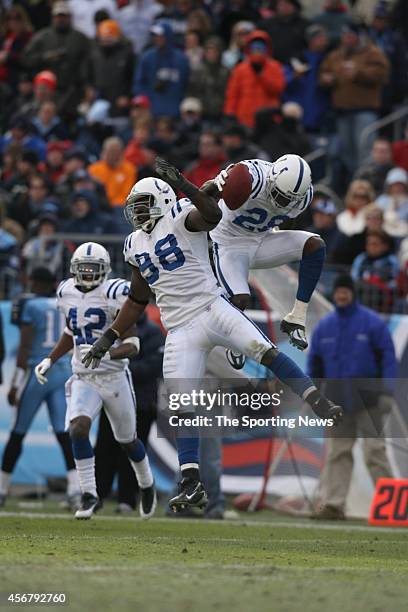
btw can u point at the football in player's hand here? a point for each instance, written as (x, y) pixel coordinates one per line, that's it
(238, 186)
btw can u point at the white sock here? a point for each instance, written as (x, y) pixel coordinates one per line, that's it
(298, 313)
(4, 482)
(72, 482)
(86, 475)
(143, 472)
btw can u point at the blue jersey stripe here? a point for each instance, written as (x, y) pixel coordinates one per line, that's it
(116, 282)
(62, 285)
(89, 249)
(258, 181)
(220, 275)
(301, 173)
(116, 289)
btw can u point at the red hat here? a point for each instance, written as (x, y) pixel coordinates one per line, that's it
(59, 145)
(142, 101)
(46, 77)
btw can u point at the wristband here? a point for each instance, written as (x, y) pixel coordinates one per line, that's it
(132, 340)
(112, 335)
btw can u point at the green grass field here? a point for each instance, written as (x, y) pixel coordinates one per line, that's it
(261, 562)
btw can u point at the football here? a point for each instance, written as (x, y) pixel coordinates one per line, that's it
(238, 186)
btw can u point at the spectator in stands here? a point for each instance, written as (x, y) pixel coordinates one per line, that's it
(164, 138)
(334, 17)
(162, 73)
(136, 19)
(378, 268)
(353, 342)
(394, 202)
(278, 131)
(400, 151)
(47, 124)
(86, 217)
(236, 144)
(236, 50)
(65, 52)
(9, 261)
(112, 55)
(355, 72)
(209, 80)
(396, 50)
(26, 164)
(26, 206)
(193, 49)
(232, 13)
(44, 88)
(41, 250)
(136, 151)
(114, 172)
(84, 13)
(255, 83)
(188, 133)
(211, 159)
(324, 214)
(286, 30)
(377, 167)
(347, 249)
(21, 134)
(352, 220)
(18, 33)
(303, 81)
(53, 166)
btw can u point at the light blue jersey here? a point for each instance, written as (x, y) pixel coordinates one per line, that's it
(47, 322)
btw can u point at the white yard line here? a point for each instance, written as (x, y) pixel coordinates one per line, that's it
(313, 525)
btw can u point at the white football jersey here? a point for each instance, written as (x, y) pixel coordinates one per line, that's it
(257, 215)
(89, 315)
(175, 263)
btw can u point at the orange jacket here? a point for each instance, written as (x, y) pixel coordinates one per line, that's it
(249, 91)
(117, 181)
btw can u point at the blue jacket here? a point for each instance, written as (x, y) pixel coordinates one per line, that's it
(162, 75)
(307, 92)
(352, 342)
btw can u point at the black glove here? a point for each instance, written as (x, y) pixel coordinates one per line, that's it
(169, 173)
(99, 349)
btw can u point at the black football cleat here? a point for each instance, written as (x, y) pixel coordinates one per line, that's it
(191, 495)
(236, 360)
(326, 409)
(89, 505)
(148, 502)
(296, 333)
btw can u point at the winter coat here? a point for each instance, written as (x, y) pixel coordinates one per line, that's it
(364, 90)
(162, 75)
(249, 91)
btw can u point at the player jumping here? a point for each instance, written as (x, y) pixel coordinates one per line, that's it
(168, 252)
(40, 325)
(258, 196)
(90, 303)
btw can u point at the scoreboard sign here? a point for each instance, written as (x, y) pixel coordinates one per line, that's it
(390, 503)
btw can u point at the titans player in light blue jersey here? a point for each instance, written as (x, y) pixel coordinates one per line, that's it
(40, 325)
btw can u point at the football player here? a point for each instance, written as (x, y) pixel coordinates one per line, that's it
(40, 326)
(168, 252)
(90, 303)
(257, 197)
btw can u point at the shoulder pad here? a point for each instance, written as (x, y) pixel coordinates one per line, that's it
(63, 284)
(179, 206)
(115, 287)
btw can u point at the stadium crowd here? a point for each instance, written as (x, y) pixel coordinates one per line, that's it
(91, 92)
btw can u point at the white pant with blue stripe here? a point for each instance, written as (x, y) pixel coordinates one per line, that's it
(86, 394)
(236, 256)
(220, 324)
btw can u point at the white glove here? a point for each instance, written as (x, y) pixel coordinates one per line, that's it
(84, 348)
(41, 369)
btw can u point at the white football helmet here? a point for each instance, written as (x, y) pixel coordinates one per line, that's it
(90, 265)
(288, 182)
(149, 199)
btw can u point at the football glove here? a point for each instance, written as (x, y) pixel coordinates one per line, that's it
(98, 350)
(85, 348)
(221, 177)
(41, 369)
(169, 173)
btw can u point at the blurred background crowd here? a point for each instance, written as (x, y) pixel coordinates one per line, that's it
(91, 91)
